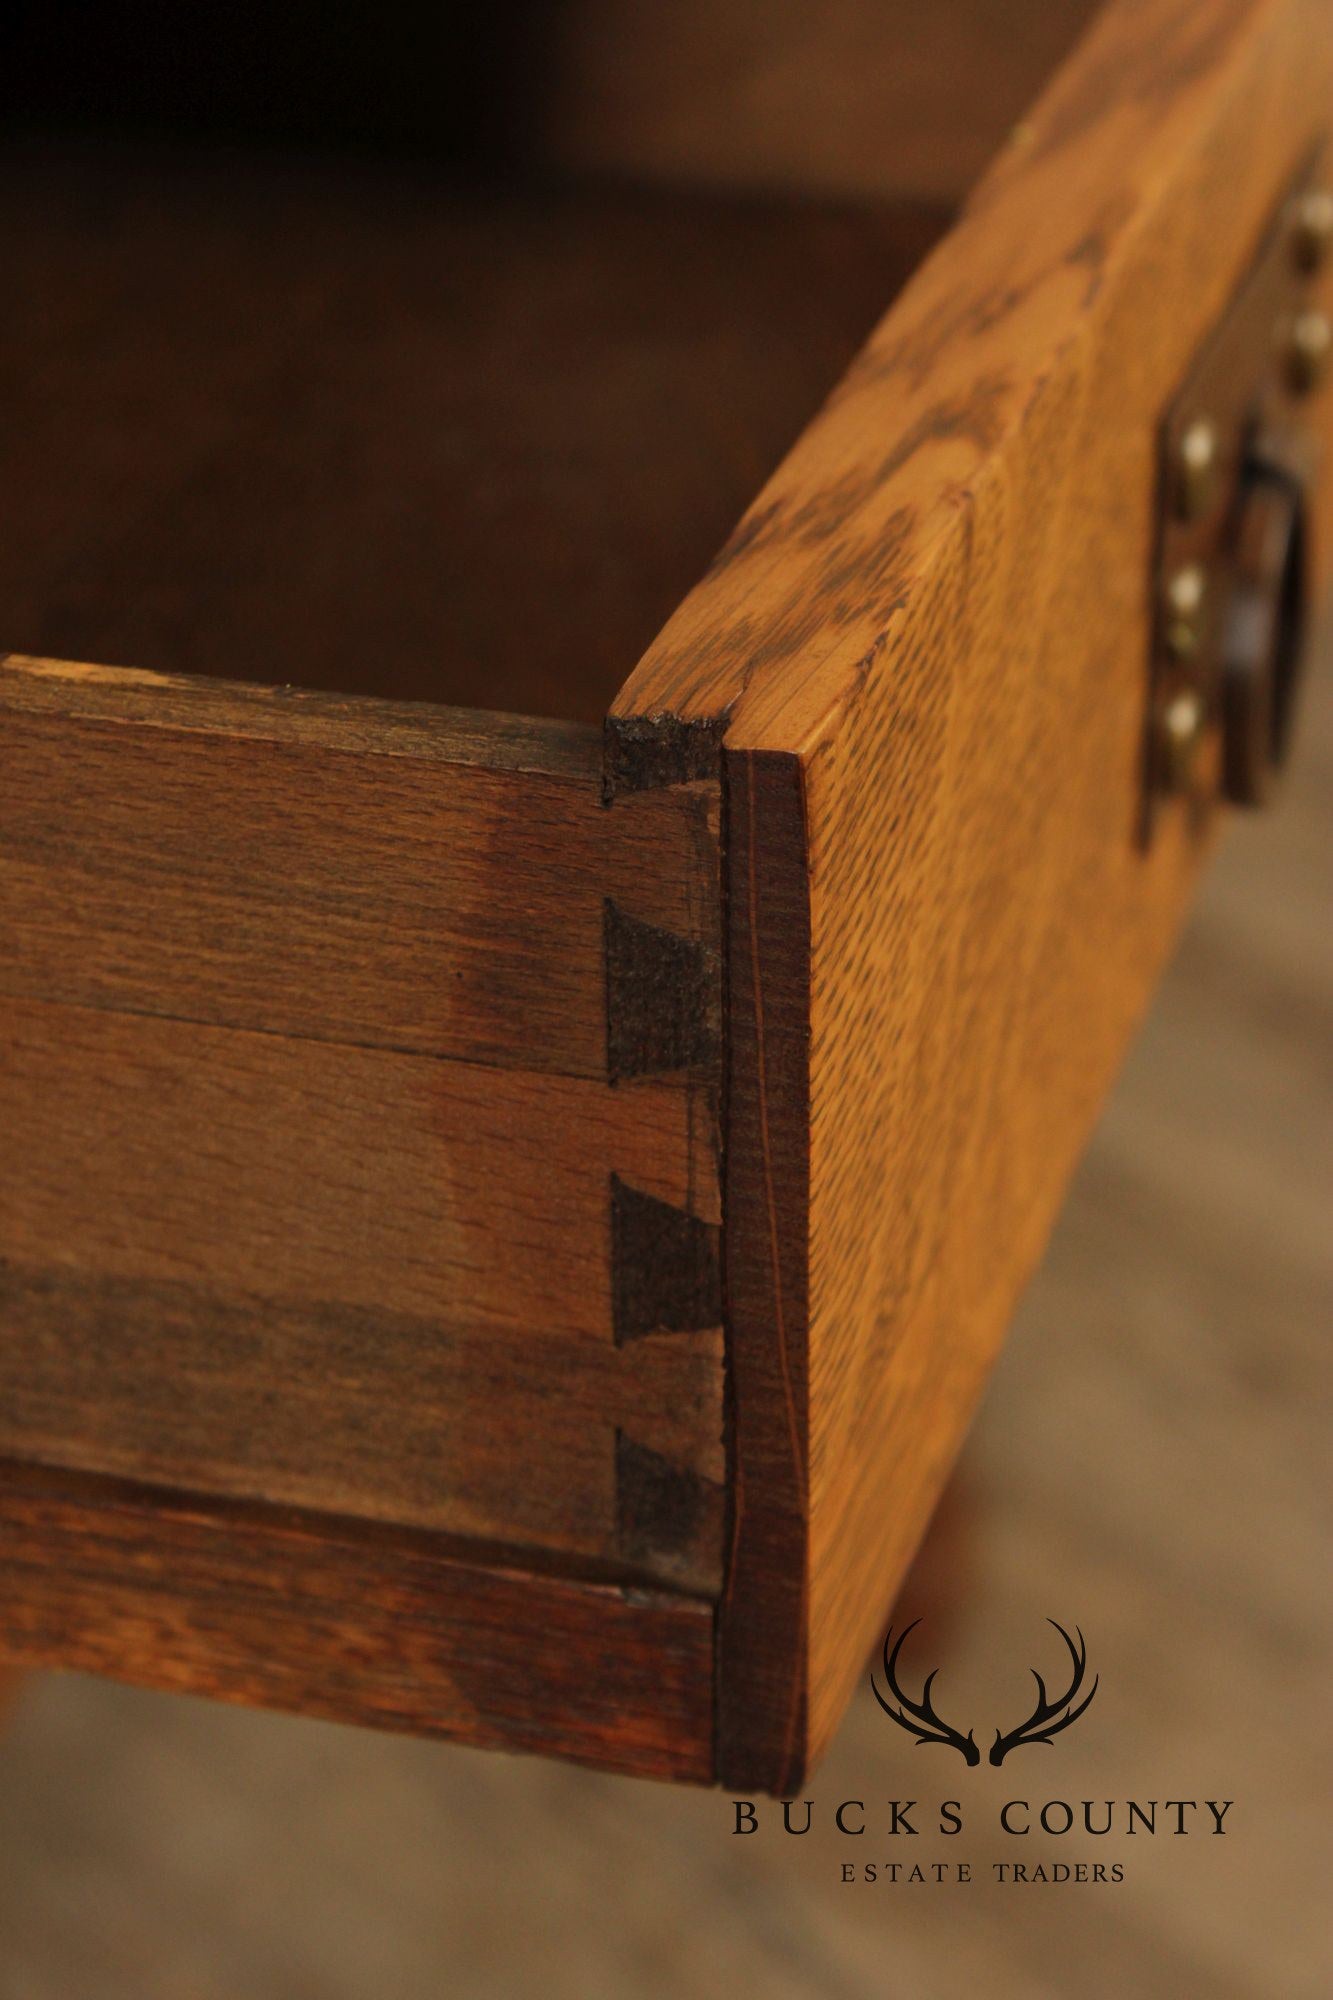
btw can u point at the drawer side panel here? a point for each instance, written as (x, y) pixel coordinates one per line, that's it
(324, 869)
(360, 1107)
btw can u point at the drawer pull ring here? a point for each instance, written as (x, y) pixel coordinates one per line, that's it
(1263, 634)
(1237, 457)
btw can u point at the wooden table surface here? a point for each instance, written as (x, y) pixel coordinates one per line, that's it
(1146, 1463)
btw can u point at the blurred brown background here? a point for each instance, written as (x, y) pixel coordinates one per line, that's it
(1147, 1463)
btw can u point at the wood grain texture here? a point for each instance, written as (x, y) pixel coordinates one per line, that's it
(986, 930)
(428, 1421)
(289, 1613)
(1134, 193)
(341, 1277)
(939, 606)
(168, 847)
(763, 1617)
(319, 1144)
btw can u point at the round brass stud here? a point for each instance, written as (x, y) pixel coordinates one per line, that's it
(1312, 229)
(1197, 456)
(1180, 734)
(1308, 351)
(1186, 592)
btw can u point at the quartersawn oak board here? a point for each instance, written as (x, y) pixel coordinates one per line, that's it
(929, 640)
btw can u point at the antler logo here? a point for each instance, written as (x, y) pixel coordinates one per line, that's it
(1046, 1721)
(920, 1719)
(1048, 1718)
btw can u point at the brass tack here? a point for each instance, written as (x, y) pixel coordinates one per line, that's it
(1181, 733)
(1312, 229)
(1196, 468)
(1307, 351)
(1186, 591)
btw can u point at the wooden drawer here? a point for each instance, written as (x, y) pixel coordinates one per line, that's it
(508, 1207)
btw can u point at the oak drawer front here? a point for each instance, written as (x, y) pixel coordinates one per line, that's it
(504, 1221)
(931, 640)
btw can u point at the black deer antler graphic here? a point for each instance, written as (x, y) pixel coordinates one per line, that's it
(920, 1719)
(1048, 1718)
